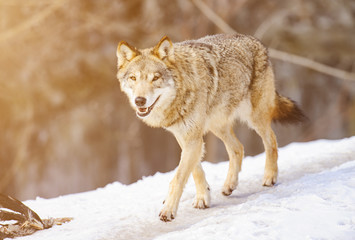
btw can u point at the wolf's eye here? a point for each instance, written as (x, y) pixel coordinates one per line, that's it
(133, 78)
(155, 78)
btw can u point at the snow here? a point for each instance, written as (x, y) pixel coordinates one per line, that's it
(313, 199)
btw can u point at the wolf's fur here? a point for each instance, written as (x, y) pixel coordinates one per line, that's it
(196, 86)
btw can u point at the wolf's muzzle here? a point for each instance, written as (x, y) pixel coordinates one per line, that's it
(143, 112)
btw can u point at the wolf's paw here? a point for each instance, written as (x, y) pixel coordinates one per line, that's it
(167, 215)
(270, 178)
(229, 187)
(202, 201)
(226, 191)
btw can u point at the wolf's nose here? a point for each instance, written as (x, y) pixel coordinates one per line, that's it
(140, 101)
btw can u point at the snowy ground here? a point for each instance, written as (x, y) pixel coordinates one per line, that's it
(314, 199)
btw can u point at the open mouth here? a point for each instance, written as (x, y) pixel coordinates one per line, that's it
(143, 112)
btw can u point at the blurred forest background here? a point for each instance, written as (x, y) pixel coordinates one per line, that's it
(65, 125)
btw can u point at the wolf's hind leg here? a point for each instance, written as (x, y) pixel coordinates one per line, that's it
(235, 153)
(203, 198)
(263, 128)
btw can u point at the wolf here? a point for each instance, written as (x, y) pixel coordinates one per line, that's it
(198, 86)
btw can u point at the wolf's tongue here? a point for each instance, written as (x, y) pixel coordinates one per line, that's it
(142, 109)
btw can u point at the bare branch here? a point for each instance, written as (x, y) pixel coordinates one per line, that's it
(277, 54)
(32, 21)
(271, 21)
(211, 15)
(309, 63)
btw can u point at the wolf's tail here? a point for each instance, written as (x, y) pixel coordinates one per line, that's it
(286, 111)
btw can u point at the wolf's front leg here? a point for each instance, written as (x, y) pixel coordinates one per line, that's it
(190, 157)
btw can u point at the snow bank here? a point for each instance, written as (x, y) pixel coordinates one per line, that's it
(314, 199)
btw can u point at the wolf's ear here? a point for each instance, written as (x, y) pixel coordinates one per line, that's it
(125, 53)
(164, 49)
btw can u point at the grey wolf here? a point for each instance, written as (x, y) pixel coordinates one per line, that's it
(196, 86)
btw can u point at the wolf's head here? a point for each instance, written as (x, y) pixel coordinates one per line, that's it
(145, 77)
